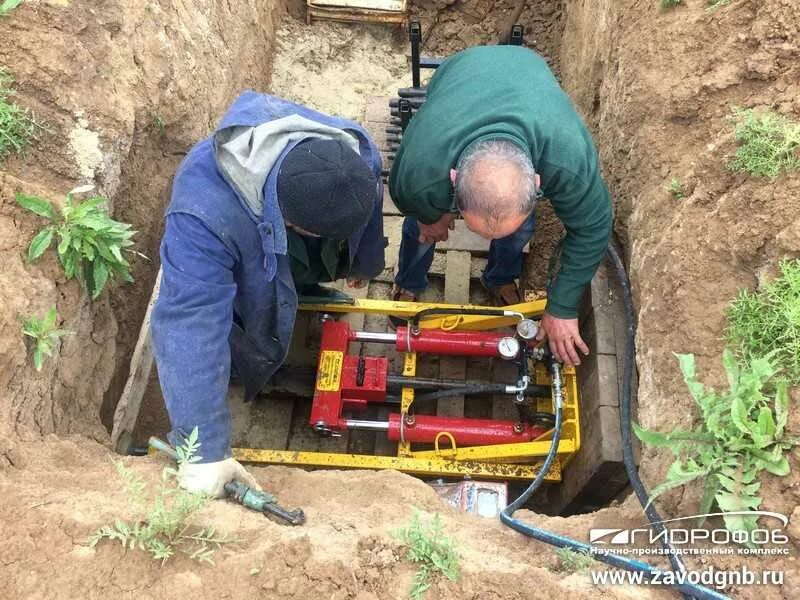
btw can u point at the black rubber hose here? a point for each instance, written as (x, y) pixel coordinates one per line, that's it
(488, 388)
(625, 413)
(689, 590)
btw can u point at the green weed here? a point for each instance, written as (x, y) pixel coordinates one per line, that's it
(90, 243)
(741, 434)
(431, 550)
(675, 188)
(158, 123)
(8, 5)
(767, 322)
(667, 4)
(17, 126)
(768, 143)
(715, 4)
(574, 562)
(164, 526)
(44, 335)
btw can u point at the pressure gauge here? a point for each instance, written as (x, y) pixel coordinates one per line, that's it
(508, 347)
(527, 329)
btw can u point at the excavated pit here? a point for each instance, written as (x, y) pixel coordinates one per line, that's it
(164, 63)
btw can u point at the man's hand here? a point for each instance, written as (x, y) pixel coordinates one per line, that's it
(563, 337)
(210, 478)
(353, 282)
(438, 231)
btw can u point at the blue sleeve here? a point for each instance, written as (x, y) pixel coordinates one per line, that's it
(369, 259)
(190, 325)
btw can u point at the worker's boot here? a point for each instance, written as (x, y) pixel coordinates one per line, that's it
(401, 295)
(503, 295)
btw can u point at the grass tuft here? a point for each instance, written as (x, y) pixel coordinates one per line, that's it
(164, 526)
(17, 126)
(574, 562)
(766, 323)
(667, 4)
(715, 4)
(675, 188)
(768, 143)
(434, 552)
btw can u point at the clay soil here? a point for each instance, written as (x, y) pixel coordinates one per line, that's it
(655, 88)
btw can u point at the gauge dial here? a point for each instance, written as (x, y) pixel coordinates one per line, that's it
(508, 347)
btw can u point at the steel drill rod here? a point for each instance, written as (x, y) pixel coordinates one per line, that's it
(367, 425)
(539, 391)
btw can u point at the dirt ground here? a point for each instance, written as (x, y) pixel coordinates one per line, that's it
(655, 88)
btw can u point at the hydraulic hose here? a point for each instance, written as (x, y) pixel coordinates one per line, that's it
(506, 516)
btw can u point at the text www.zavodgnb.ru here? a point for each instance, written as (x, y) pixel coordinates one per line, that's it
(719, 579)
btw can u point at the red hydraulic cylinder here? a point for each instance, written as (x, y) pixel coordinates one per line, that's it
(466, 432)
(454, 343)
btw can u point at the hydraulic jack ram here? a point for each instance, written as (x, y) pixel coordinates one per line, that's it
(349, 382)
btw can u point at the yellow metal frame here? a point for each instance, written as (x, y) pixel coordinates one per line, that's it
(520, 461)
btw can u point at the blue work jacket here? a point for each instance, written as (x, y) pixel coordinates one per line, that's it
(227, 295)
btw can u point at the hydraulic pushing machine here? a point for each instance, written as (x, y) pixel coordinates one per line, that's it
(346, 384)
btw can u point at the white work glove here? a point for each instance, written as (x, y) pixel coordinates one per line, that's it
(211, 478)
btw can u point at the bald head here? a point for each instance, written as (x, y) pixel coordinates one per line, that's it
(495, 188)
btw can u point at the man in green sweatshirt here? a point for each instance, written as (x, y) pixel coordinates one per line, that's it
(495, 132)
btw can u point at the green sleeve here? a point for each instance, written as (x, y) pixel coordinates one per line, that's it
(425, 203)
(583, 205)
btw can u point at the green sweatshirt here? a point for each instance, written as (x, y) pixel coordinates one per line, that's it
(508, 92)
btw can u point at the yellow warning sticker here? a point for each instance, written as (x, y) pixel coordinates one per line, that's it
(329, 376)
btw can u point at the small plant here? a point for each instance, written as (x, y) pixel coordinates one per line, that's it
(431, 549)
(17, 126)
(164, 527)
(715, 4)
(767, 322)
(158, 123)
(675, 188)
(741, 434)
(574, 562)
(8, 5)
(90, 243)
(768, 143)
(44, 334)
(667, 4)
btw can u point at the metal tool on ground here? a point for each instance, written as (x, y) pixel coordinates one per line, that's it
(259, 501)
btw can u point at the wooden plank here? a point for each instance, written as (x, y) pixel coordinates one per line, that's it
(456, 291)
(262, 423)
(438, 268)
(391, 5)
(130, 402)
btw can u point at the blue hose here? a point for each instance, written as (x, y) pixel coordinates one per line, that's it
(688, 589)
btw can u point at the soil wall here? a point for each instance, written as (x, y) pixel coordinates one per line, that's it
(657, 88)
(122, 90)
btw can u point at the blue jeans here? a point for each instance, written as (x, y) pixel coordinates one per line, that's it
(504, 265)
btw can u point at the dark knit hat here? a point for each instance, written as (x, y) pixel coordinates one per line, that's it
(326, 188)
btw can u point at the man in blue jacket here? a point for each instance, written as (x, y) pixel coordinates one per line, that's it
(279, 192)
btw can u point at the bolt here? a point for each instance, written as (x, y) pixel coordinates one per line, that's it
(519, 428)
(410, 420)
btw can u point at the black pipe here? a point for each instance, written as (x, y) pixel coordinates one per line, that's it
(487, 388)
(689, 590)
(625, 414)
